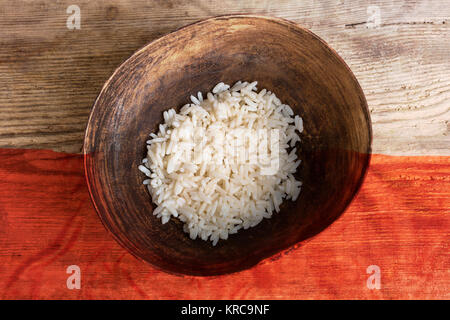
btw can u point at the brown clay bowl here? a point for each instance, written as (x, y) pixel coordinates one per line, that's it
(283, 57)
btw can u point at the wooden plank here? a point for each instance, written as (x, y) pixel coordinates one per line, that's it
(399, 221)
(50, 75)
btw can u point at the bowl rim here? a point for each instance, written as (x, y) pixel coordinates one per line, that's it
(288, 249)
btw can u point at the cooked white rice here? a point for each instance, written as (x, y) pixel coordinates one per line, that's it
(224, 162)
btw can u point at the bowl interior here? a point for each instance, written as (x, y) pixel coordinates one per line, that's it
(284, 58)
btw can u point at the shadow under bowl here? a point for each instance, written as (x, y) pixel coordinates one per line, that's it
(299, 67)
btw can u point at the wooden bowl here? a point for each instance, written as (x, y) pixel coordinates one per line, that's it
(283, 57)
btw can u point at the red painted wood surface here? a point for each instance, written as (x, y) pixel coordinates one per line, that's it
(399, 221)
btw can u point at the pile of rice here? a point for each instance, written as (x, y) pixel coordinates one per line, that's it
(224, 162)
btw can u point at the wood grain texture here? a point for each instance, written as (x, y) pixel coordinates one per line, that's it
(51, 75)
(399, 221)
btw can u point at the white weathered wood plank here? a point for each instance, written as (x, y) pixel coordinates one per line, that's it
(50, 75)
